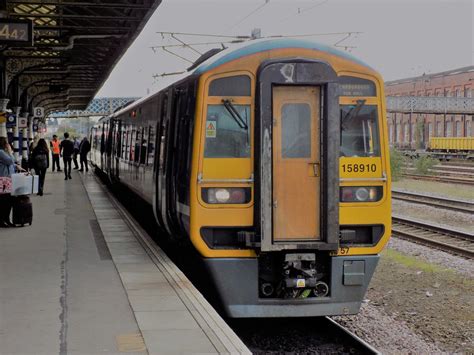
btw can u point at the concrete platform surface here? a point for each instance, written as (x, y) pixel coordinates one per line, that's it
(85, 279)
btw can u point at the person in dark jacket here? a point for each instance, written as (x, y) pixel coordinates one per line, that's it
(67, 150)
(40, 158)
(84, 149)
(77, 144)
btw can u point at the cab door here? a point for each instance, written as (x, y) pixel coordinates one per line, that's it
(296, 163)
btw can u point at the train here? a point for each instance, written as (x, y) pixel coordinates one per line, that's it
(271, 159)
(445, 148)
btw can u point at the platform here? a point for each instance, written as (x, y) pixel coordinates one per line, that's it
(85, 279)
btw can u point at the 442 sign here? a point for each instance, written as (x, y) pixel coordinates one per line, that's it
(16, 32)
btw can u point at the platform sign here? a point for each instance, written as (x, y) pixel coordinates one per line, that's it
(22, 122)
(38, 112)
(35, 127)
(16, 32)
(11, 120)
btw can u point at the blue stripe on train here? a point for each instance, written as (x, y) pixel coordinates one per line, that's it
(262, 46)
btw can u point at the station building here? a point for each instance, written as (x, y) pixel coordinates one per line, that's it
(413, 130)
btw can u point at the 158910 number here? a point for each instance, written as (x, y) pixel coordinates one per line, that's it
(359, 168)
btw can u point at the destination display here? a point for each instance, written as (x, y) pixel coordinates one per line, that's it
(352, 86)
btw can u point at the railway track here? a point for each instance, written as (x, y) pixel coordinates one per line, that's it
(435, 201)
(446, 179)
(309, 335)
(450, 240)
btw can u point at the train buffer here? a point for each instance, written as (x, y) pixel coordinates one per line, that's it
(81, 280)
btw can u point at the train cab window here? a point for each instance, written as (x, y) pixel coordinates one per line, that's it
(227, 131)
(359, 130)
(238, 85)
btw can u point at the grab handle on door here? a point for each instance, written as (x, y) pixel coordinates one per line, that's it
(315, 169)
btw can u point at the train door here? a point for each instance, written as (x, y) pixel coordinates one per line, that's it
(297, 156)
(296, 163)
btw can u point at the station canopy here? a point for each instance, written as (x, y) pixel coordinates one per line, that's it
(75, 46)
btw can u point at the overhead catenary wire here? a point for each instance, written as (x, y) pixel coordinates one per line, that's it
(199, 34)
(195, 44)
(302, 11)
(249, 14)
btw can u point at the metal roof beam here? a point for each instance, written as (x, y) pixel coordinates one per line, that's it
(65, 16)
(82, 4)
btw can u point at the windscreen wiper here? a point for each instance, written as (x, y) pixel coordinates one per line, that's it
(235, 114)
(352, 113)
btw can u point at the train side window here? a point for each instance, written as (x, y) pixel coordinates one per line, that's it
(144, 146)
(239, 85)
(359, 131)
(124, 142)
(133, 134)
(118, 135)
(137, 145)
(102, 140)
(164, 125)
(151, 145)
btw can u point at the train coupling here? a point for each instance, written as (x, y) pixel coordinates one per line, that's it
(299, 273)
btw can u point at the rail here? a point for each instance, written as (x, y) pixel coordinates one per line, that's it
(359, 343)
(447, 239)
(447, 179)
(435, 201)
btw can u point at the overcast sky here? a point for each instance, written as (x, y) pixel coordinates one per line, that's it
(399, 38)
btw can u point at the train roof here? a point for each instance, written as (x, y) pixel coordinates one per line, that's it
(239, 51)
(267, 44)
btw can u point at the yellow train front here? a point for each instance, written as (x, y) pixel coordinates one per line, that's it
(280, 177)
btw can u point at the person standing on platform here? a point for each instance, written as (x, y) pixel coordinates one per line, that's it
(7, 168)
(67, 150)
(84, 149)
(77, 144)
(55, 150)
(40, 158)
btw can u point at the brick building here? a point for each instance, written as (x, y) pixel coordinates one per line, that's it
(414, 130)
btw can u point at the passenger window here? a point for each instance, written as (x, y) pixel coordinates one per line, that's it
(138, 142)
(227, 132)
(296, 131)
(151, 145)
(144, 146)
(238, 85)
(359, 131)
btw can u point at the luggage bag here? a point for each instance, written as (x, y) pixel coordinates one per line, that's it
(22, 210)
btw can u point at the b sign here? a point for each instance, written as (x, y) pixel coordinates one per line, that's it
(38, 112)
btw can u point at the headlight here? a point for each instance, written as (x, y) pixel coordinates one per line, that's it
(226, 195)
(361, 193)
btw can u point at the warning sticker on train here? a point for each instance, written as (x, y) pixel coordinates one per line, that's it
(211, 129)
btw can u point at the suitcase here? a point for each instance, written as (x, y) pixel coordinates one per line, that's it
(22, 210)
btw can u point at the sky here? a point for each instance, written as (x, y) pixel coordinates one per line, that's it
(399, 38)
